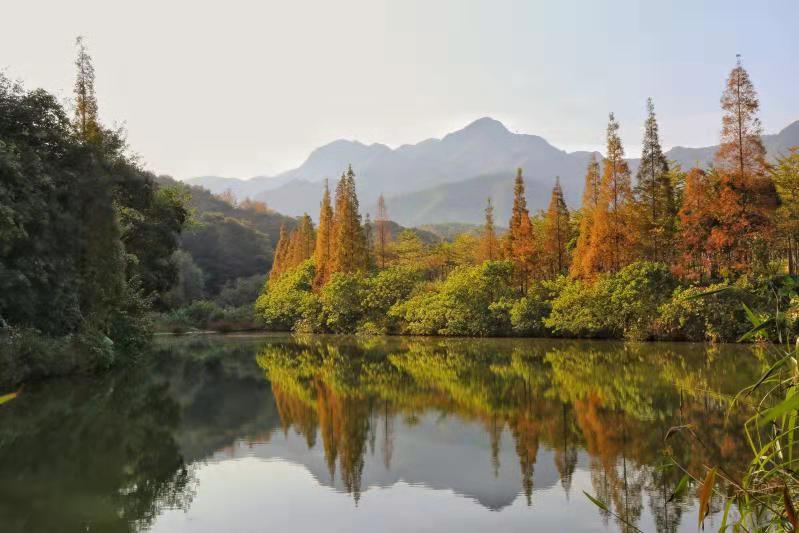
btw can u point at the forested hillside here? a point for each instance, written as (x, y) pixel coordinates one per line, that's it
(224, 255)
(86, 235)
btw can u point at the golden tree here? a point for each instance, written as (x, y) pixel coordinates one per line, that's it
(612, 241)
(301, 243)
(281, 254)
(520, 245)
(324, 237)
(556, 234)
(587, 211)
(349, 251)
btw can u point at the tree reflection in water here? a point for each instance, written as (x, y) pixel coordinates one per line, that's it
(613, 401)
(111, 454)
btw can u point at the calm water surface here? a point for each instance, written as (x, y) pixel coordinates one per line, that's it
(282, 433)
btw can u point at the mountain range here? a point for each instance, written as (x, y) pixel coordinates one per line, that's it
(447, 179)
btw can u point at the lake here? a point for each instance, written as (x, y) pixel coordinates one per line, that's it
(324, 433)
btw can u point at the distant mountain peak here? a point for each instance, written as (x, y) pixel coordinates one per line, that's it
(790, 129)
(485, 125)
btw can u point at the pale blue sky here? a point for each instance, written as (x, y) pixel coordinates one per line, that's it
(243, 88)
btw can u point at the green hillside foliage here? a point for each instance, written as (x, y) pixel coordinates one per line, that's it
(86, 239)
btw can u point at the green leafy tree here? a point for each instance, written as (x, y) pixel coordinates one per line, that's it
(287, 301)
(408, 249)
(785, 174)
(471, 301)
(342, 302)
(225, 249)
(190, 285)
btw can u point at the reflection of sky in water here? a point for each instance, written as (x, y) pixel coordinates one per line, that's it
(440, 478)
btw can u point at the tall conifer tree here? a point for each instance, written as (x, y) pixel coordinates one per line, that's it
(324, 236)
(349, 253)
(654, 194)
(593, 179)
(747, 197)
(382, 235)
(520, 239)
(556, 233)
(301, 243)
(611, 239)
(488, 249)
(281, 253)
(741, 151)
(86, 123)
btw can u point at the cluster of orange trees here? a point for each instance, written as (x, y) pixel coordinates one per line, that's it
(732, 219)
(740, 216)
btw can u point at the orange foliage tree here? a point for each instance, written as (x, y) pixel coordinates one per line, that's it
(281, 252)
(612, 243)
(520, 245)
(590, 201)
(556, 234)
(324, 237)
(301, 242)
(696, 222)
(349, 249)
(747, 198)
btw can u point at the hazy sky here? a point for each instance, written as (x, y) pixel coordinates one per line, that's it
(243, 88)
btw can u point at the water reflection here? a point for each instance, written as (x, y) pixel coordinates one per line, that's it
(508, 425)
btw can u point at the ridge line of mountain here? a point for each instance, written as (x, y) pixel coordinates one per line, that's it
(447, 179)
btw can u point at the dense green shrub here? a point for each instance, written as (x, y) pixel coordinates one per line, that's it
(288, 300)
(471, 301)
(527, 314)
(637, 303)
(207, 315)
(716, 317)
(130, 325)
(28, 354)
(632, 296)
(421, 314)
(384, 290)
(576, 309)
(342, 302)
(623, 304)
